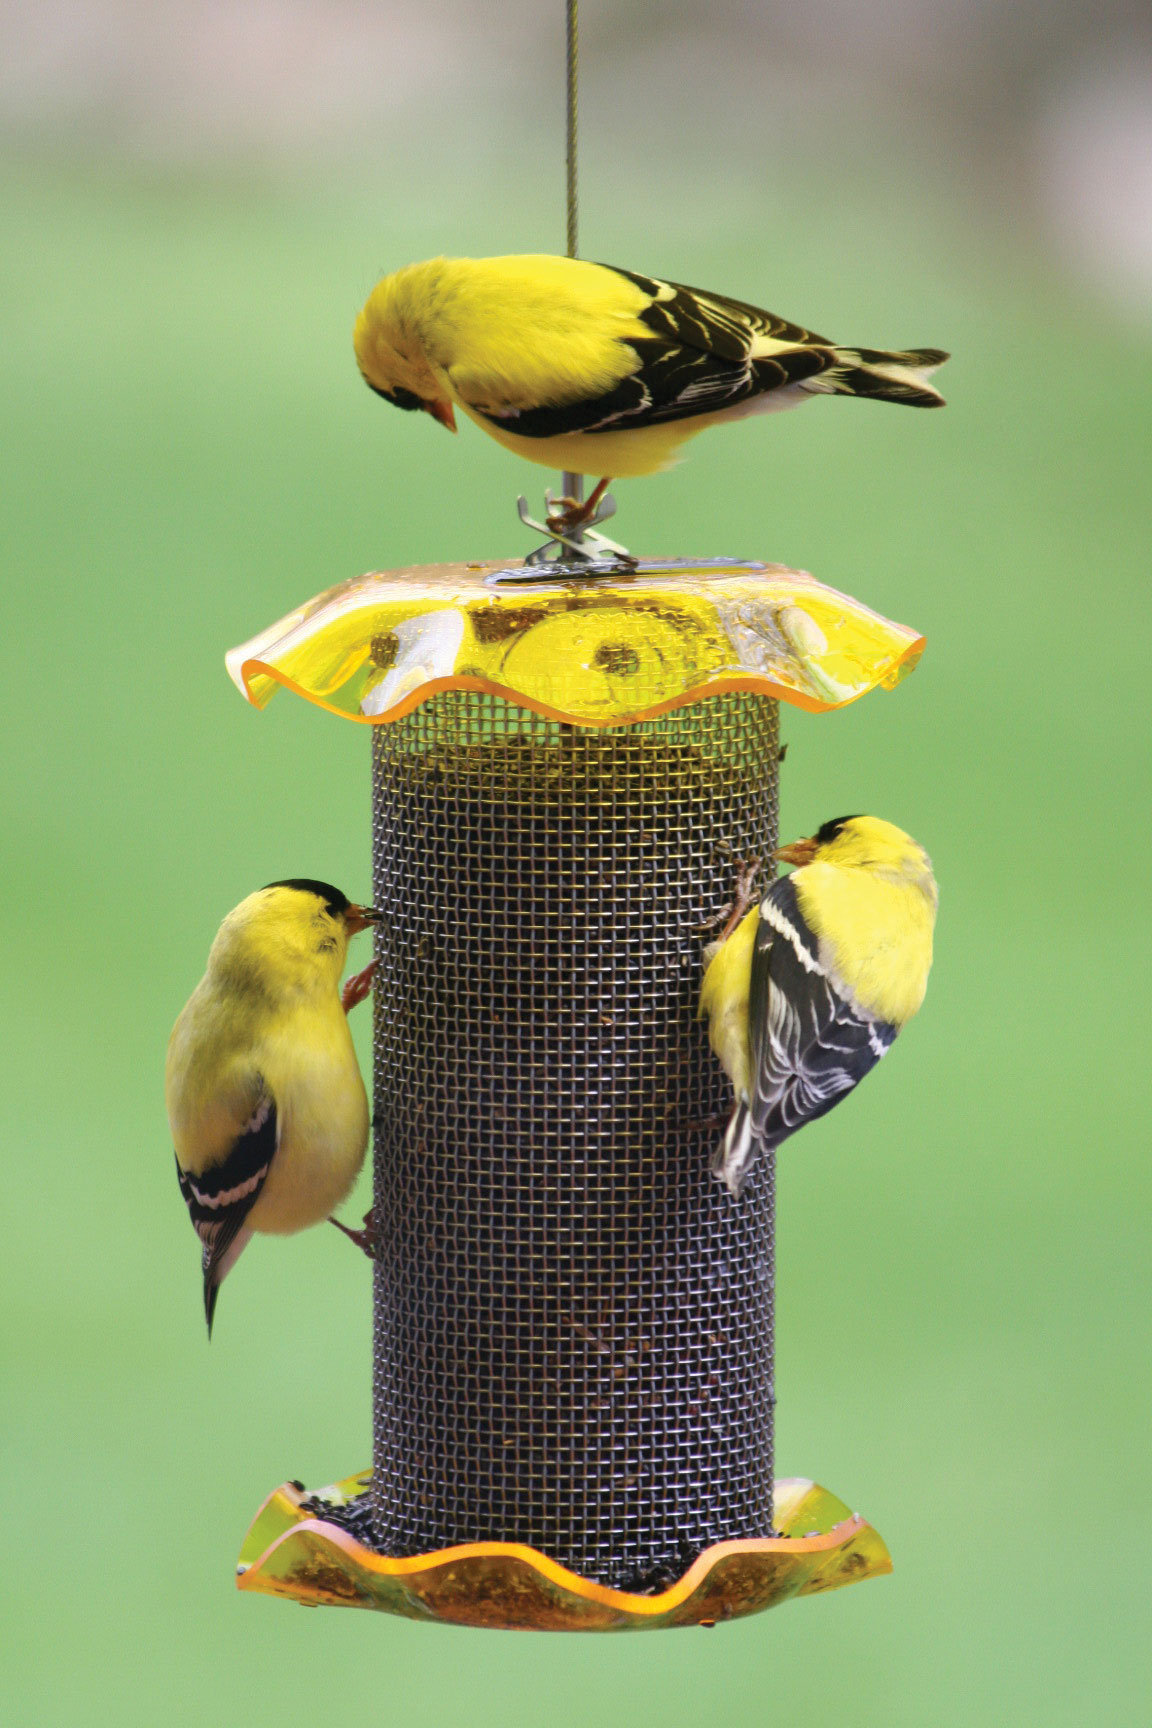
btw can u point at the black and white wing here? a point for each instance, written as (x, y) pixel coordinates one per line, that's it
(809, 1046)
(220, 1199)
(703, 357)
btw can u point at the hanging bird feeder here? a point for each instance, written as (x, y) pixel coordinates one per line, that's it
(573, 1320)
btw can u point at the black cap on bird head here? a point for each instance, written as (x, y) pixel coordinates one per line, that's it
(399, 397)
(828, 831)
(441, 411)
(332, 897)
(803, 852)
(356, 918)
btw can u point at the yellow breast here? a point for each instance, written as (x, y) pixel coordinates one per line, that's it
(874, 934)
(724, 999)
(322, 1107)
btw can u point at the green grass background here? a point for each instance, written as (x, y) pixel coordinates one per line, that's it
(963, 1268)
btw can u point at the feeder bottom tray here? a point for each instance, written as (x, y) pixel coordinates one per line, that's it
(293, 1549)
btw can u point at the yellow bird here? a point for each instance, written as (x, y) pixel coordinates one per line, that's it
(597, 370)
(807, 992)
(267, 1108)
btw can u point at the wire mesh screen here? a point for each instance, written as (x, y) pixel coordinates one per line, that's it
(573, 1319)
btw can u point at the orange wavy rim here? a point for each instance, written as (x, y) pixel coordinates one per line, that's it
(552, 1570)
(723, 686)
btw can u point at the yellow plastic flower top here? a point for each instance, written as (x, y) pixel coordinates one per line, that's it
(593, 650)
(294, 1548)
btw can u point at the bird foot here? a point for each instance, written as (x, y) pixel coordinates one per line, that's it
(567, 516)
(747, 870)
(366, 1239)
(357, 987)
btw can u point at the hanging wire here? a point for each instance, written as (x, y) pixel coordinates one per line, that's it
(572, 485)
(573, 76)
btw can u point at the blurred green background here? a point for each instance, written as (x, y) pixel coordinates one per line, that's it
(964, 1275)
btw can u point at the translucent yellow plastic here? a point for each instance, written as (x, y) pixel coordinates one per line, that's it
(592, 650)
(292, 1552)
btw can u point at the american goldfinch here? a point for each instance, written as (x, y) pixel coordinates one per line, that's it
(808, 991)
(597, 370)
(267, 1108)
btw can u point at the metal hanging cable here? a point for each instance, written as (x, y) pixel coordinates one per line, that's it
(573, 67)
(572, 485)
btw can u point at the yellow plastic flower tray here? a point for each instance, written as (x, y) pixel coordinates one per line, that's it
(592, 650)
(291, 1551)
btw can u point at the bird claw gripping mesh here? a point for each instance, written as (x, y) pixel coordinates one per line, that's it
(573, 1328)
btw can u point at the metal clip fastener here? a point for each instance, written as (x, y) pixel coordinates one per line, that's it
(582, 545)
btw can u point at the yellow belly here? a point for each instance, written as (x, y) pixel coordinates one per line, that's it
(309, 1178)
(644, 450)
(323, 1119)
(724, 996)
(638, 450)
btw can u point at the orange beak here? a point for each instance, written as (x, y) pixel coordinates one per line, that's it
(360, 917)
(800, 852)
(444, 412)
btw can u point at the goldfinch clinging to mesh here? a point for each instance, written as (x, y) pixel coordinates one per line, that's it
(597, 370)
(267, 1108)
(808, 991)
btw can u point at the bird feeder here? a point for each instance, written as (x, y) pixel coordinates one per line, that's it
(573, 1320)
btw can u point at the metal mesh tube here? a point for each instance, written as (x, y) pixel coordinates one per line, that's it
(573, 1319)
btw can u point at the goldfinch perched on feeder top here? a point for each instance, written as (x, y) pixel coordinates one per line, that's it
(267, 1108)
(597, 370)
(808, 991)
